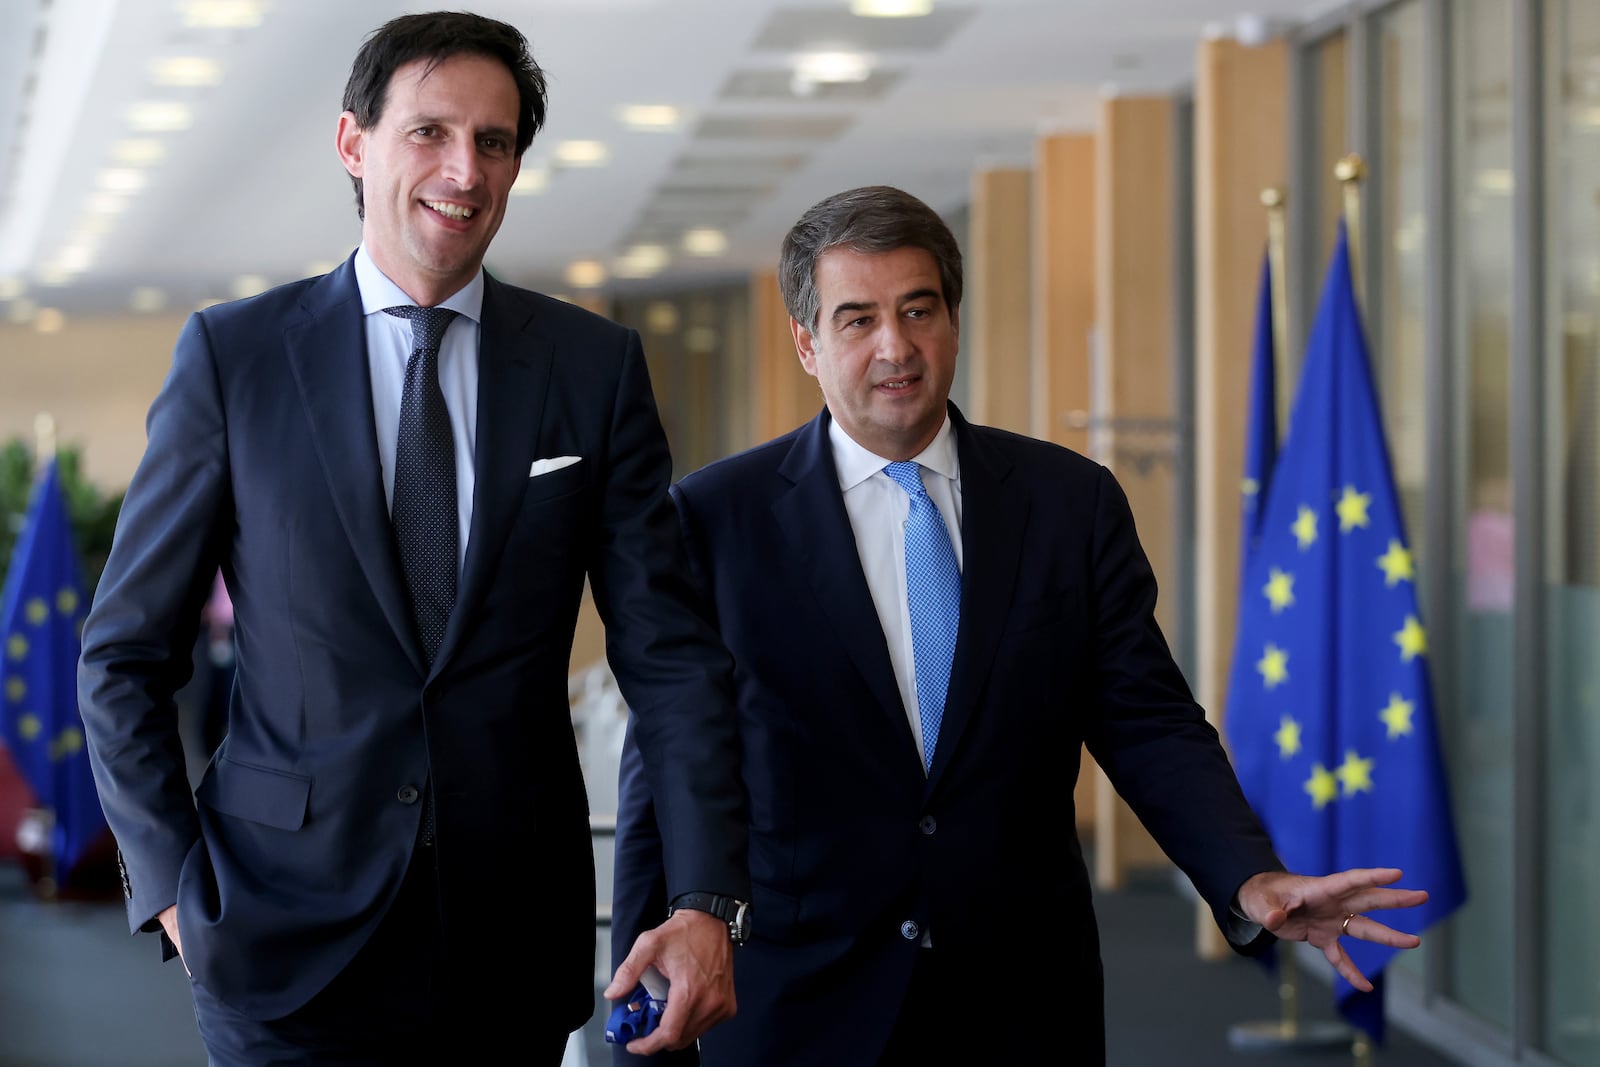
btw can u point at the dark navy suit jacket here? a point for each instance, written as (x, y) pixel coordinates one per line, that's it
(853, 850)
(262, 459)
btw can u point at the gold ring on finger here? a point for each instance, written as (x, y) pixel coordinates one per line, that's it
(1344, 927)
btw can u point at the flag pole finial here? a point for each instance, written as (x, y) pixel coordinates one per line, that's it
(1351, 171)
(44, 437)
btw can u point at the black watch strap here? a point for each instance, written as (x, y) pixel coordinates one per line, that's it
(734, 912)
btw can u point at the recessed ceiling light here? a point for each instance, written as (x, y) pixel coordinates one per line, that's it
(159, 116)
(586, 274)
(530, 181)
(147, 299)
(704, 241)
(221, 14)
(138, 152)
(581, 153)
(186, 71)
(123, 180)
(75, 259)
(50, 320)
(106, 203)
(11, 288)
(890, 9)
(641, 261)
(829, 68)
(53, 275)
(650, 116)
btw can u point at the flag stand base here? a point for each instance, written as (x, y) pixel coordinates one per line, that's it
(1262, 1036)
(1289, 1031)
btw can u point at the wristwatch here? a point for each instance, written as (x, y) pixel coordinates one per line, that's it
(736, 913)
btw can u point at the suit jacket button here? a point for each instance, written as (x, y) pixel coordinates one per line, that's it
(407, 795)
(910, 931)
(928, 824)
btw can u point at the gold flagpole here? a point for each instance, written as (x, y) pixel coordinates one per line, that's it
(1350, 171)
(1272, 198)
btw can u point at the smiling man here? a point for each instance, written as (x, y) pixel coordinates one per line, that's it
(930, 620)
(405, 471)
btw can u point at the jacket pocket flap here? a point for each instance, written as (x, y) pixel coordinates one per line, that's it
(273, 798)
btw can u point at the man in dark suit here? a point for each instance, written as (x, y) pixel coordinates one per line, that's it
(920, 893)
(389, 858)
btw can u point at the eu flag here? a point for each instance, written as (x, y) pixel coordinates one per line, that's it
(1330, 714)
(1261, 425)
(40, 619)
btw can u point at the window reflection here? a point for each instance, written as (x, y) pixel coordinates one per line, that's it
(1571, 980)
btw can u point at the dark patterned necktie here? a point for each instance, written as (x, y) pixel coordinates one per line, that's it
(424, 511)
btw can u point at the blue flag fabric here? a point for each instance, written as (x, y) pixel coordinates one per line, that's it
(41, 616)
(1261, 425)
(1330, 714)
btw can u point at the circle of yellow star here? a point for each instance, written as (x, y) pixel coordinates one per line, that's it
(1355, 774)
(37, 611)
(1396, 564)
(1279, 590)
(1322, 786)
(29, 726)
(17, 647)
(1411, 638)
(67, 602)
(16, 689)
(1273, 665)
(1352, 509)
(1397, 716)
(1305, 527)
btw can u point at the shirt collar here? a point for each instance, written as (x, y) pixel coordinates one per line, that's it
(378, 292)
(856, 464)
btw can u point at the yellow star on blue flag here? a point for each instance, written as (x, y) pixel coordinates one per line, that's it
(40, 615)
(1359, 780)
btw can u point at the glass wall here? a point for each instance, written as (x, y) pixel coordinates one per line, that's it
(1396, 191)
(1569, 1020)
(1478, 729)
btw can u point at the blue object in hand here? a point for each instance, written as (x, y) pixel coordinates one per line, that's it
(634, 1017)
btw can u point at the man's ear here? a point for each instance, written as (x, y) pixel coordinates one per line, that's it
(805, 345)
(351, 143)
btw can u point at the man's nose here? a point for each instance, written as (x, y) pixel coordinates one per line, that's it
(461, 164)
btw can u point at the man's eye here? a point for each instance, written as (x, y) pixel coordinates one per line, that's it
(424, 131)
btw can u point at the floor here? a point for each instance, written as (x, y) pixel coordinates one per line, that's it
(77, 991)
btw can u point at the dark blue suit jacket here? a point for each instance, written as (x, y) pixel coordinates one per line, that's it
(850, 842)
(262, 459)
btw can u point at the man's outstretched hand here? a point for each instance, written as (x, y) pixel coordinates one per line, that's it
(1319, 911)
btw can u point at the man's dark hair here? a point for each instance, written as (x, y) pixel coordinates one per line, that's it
(435, 37)
(872, 219)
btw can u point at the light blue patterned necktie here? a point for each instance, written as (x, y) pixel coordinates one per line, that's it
(933, 593)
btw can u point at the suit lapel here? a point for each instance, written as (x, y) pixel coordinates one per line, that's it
(816, 529)
(514, 365)
(994, 516)
(327, 353)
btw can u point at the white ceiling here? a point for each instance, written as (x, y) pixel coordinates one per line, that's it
(252, 186)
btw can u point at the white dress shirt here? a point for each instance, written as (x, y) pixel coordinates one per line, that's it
(388, 351)
(878, 509)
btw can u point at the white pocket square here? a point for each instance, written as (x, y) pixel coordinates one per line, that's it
(545, 466)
